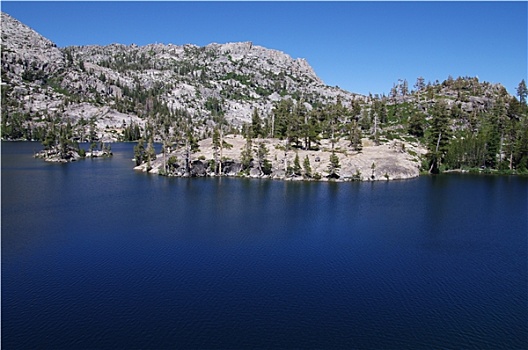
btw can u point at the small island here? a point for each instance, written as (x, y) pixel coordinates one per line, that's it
(61, 147)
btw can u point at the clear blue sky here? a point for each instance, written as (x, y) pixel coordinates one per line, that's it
(360, 46)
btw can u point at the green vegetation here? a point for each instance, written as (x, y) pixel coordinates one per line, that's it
(307, 167)
(463, 123)
(334, 166)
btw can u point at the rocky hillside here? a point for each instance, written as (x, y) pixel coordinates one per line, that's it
(105, 88)
(186, 96)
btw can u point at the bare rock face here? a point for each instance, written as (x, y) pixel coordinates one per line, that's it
(132, 82)
(198, 168)
(27, 54)
(231, 168)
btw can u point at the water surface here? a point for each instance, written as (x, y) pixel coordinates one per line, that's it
(96, 255)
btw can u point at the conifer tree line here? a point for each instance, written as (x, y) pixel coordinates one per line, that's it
(492, 134)
(464, 123)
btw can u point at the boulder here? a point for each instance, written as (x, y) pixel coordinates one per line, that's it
(231, 168)
(254, 172)
(198, 169)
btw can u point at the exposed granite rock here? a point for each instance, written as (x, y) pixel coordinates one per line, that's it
(198, 168)
(56, 155)
(231, 168)
(392, 161)
(105, 82)
(98, 154)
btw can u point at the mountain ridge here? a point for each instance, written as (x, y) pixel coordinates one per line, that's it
(179, 95)
(242, 75)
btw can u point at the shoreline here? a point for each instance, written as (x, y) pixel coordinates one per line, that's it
(350, 160)
(394, 160)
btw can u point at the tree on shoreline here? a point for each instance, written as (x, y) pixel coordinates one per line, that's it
(334, 166)
(307, 167)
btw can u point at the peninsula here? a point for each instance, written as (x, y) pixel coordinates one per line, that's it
(246, 110)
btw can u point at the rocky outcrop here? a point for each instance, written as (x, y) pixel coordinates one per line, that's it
(392, 161)
(58, 155)
(26, 54)
(69, 153)
(119, 84)
(98, 154)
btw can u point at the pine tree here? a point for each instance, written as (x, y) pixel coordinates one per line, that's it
(296, 165)
(139, 152)
(416, 124)
(247, 153)
(217, 145)
(522, 92)
(494, 129)
(261, 154)
(334, 166)
(311, 130)
(405, 88)
(521, 146)
(307, 167)
(354, 135)
(281, 113)
(420, 84)
(439, 135)
(256, 124)
(150, 152)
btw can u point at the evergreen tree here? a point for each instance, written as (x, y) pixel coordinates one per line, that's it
(365, 121)
(296, 165)
(522, 92)
(256, 124)
(493, 129)
(419, 85)
(334, 166)
(281, 114)
(261, 154)
(416, 124)
(139, 152)
(338, 114)
(298, 118)
(405, 88)
(150, 152)
(311, 130)
(439, 135)
(521, 146)
(307, 167)
(247, 153)
(394, 92)
(93, 133)
(217, 144)
(354, 135)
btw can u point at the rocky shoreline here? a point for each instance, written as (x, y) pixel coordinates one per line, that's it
(394, 160)
(58, 155)
(55, 155)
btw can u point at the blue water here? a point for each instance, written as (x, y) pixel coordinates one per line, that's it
(96, 255)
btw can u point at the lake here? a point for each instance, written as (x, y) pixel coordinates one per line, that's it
(97, 255)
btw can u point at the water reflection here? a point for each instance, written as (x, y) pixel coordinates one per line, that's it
(95, 246)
